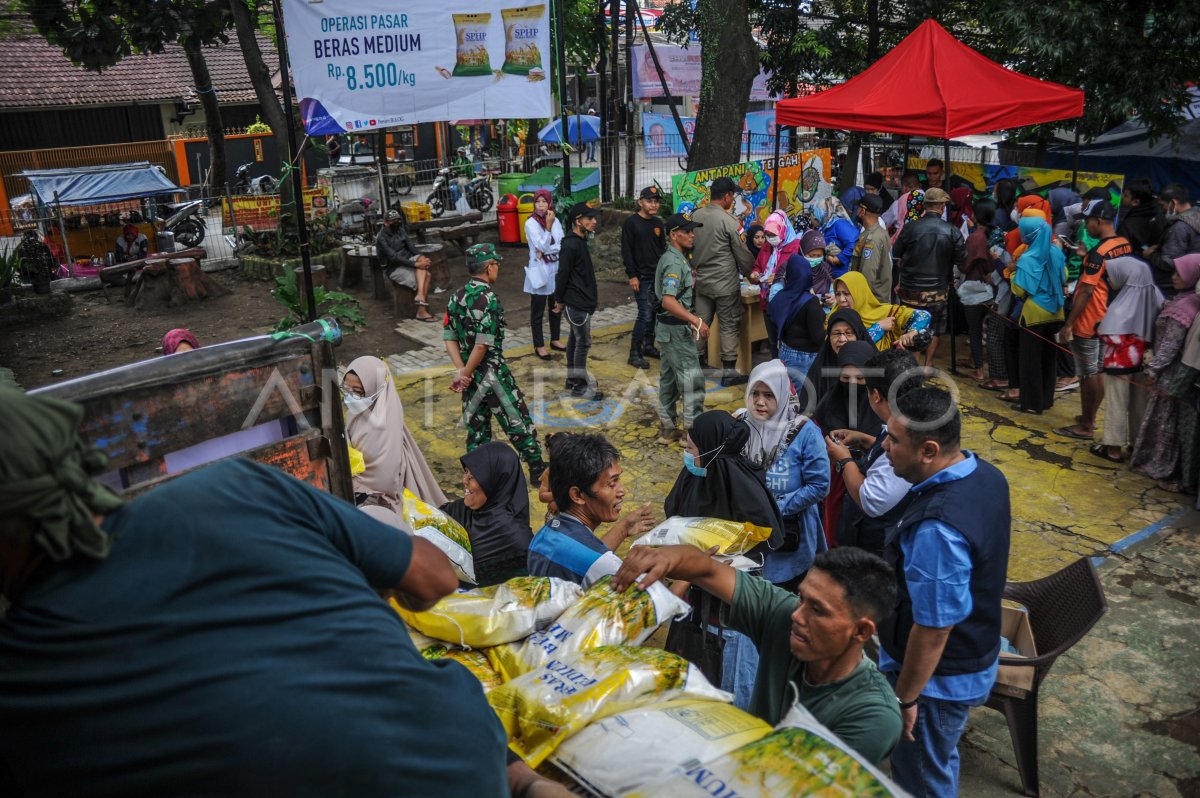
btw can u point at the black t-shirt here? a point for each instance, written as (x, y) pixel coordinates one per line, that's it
(643, 241)
(233, 644)
(806, 332)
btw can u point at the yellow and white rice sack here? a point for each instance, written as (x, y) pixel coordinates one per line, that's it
(562, 695)
(730, 537)
(491, 616)
(621, 752)
(442, 531)
(600, 617)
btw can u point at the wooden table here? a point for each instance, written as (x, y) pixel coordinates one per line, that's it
(454, 220)
(753, 328)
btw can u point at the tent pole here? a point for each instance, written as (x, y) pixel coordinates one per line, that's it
(631, 7)
(775, 173)
(62, 230)
(285, 81)
(560, 61)
(947, 172)
(1075, 160)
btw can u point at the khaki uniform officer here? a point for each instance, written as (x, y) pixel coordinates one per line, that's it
(679, 328)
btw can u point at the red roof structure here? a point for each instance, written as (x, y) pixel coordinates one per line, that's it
(931, 84)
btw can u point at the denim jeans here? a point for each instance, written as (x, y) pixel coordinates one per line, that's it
(739, 666)
(643, 328)
(578, 344)
(929, 766)
(798, 363)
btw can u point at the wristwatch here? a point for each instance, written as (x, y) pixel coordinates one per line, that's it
(840, 464)
(907, 704)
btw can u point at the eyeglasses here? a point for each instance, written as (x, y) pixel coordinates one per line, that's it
(846, 334)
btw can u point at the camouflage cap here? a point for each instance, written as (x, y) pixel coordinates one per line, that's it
(482, 253)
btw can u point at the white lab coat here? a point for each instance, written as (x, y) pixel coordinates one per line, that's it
(548, 242)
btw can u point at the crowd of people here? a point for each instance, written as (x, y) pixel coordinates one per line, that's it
(874, 601)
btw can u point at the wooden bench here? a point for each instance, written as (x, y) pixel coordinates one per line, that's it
(109, 273)
(272, 400)
(422, 228)
(463, 236)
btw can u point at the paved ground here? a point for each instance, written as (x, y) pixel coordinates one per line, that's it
(1119, 712)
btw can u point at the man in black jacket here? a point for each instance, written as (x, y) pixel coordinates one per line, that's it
(1140, 223)
(929, 249)
(575, 296)
(643, 242)
(1180, 235)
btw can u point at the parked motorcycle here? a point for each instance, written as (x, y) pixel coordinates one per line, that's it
(244, 184)
(448, 186)
(185, 221)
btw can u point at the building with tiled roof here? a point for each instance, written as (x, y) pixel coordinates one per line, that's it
(47, 101)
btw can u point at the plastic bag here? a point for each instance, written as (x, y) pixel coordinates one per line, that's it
(470, 31)
(547, 705)
(649, 742)
(601, 617)
(521, 29)
(474, 661)
(801, 759)
(442, 531)
(730, 537)
(491, 616)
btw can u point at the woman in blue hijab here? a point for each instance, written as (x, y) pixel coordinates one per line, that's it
(1038, 290)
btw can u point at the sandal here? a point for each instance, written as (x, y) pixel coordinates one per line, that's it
(994, 385)
(426, 319)
(1101, 450)
(1169, 485)
(1067, 432)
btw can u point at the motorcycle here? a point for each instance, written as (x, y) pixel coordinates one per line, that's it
(448, 186)
(244, 184)
(185, 221)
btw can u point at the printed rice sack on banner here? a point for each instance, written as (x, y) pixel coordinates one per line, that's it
(442, 531)
(600, 617)
(562, 695)
(522, 26)
(730, 537)
(621, 752)
(491, 616)
(470, 31)
(801, 759)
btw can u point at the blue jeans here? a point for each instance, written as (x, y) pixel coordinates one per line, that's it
(929, 766)
(739, 666)
(798, 363)
(643, 328)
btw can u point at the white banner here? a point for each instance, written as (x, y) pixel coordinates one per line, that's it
(681, 69)
(361, 64)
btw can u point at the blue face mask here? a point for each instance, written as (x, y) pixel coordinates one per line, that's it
(689, 462)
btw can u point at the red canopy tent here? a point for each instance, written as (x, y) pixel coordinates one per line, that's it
(931, 84)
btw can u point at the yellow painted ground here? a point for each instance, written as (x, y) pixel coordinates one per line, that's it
(1065, 502)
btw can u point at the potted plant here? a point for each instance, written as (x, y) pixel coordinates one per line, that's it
(10, 266)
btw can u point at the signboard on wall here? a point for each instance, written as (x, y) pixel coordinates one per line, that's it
(661, 139)
(681, 70)
(804, 178)
(364, 64)
(1030, 178)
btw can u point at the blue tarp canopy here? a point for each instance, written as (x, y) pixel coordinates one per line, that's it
(90, 185)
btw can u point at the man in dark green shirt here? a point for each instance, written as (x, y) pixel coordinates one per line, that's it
(810, 647)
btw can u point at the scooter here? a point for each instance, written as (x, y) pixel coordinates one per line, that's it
(244, 184)
(479, 191)
(186, 222)
(448, 186)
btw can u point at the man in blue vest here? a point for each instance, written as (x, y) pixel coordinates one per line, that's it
(950, 551)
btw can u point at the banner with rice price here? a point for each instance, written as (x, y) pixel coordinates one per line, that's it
(367, 64)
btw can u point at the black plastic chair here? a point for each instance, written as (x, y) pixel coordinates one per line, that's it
(1062, 607)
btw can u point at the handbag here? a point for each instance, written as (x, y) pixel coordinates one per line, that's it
(538, 274)
(691, 638)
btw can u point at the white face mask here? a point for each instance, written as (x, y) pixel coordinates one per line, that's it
(360, 404)
(774, 240)
(1016, 217)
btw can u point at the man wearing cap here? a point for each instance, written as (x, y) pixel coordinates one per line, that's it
(679, 328)
(874, 184)
(642, 244)
(576, 297)
(1088, 307)
(720, 258)
(873, 249)
(400, 261)
(929, 249)
(474, 326)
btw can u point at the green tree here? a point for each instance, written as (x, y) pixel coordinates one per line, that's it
(98, 33)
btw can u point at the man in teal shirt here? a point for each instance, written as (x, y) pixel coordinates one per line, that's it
(810, 647)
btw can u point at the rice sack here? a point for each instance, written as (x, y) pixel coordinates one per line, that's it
(730, 537)
(522, 26)
(470, 32)
(442, 531)
(547, 705)
(490, 616)
(600, 617)
(788, 761)
(621, 752)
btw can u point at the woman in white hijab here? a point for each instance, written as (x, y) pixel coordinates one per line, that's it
(792, 453)
(375, 426)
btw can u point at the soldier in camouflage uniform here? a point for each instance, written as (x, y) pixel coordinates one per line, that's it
(474, 327)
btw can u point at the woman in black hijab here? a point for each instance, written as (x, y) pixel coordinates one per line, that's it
(495, 512)
(824, 372)
(716, 482)
(835, 410)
